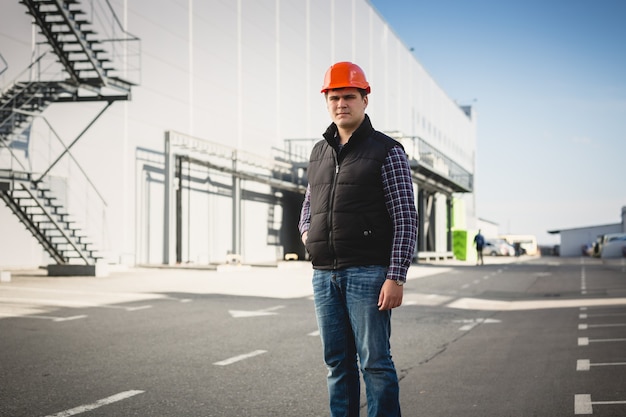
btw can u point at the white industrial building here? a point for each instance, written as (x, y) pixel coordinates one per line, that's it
(574, 241)
(177, 132)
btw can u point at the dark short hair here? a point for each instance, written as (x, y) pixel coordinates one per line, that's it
(362, 91)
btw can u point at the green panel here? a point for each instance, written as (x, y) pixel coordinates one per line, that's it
(458, 214)
(459, 244)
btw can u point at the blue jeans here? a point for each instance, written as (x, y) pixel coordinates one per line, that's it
(346, 305)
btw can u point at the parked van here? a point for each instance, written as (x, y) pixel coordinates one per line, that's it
(612, 245)
(526, 243)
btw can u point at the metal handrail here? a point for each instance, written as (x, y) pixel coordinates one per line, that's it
(66, 151)
(4, 63)
(28, 68)
(421, 150)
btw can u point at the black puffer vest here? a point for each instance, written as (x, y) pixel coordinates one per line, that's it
(350, 224)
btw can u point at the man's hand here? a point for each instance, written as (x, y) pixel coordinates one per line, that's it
(304, 236)
(390, 295)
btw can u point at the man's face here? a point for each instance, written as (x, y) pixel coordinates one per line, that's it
(346, 107)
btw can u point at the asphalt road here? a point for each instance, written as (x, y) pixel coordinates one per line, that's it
(516, 337)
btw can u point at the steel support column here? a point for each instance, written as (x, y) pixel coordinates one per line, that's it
(236, 189)
(421, 229)
(449, 222)
(169, 208)
(179, 210)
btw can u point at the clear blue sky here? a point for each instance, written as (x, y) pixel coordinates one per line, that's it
(549, 82)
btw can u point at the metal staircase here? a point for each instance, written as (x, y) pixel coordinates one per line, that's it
(46, 219)
(23, 99)
(91, 62)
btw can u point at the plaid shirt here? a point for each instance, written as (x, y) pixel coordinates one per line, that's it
(400, 202)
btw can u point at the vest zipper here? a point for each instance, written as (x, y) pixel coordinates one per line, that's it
(329, 220)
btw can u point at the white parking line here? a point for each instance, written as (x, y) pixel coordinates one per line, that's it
(137, 308)
(585, 364)
(586, 316)
(105, 401)
(584, 341)
(584, 405)
(53, 318)
(471, 323)
(239, 358)
(585, 326)
(57, 319)
(500, 305)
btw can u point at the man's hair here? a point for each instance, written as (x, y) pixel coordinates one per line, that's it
(362, 91)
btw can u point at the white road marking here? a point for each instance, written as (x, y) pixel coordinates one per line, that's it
(105, 401)
(582, 404)
(315, 333)
(81, 316)
(471, 323)
(124, 308)
(255, 313)
(65, 303)
(604, 315)
(425, 299)
(241, 313)
(584, 326)
(53, 318)
(584, 341)
(239, 358)
(499, 305)
(585, 364)
(138, 308)
(608, 402)
(46, 302)
(606, 340)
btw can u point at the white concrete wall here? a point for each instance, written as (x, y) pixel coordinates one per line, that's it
(244, 73)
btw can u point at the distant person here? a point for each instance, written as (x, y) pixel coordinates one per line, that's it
(479, 242)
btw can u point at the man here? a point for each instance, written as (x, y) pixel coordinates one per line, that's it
(479, 242)
(359, 225)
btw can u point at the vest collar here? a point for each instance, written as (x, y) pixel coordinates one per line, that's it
(363, 131)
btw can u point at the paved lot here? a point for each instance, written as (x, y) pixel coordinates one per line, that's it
(517, 337)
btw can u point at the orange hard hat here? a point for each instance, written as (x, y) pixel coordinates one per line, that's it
(343, 75)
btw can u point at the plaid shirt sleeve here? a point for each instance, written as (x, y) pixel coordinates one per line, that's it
(400, 202)
(305, 213)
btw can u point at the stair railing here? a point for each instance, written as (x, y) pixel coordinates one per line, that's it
(4, 65)
(53, 166)
(124, 47)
